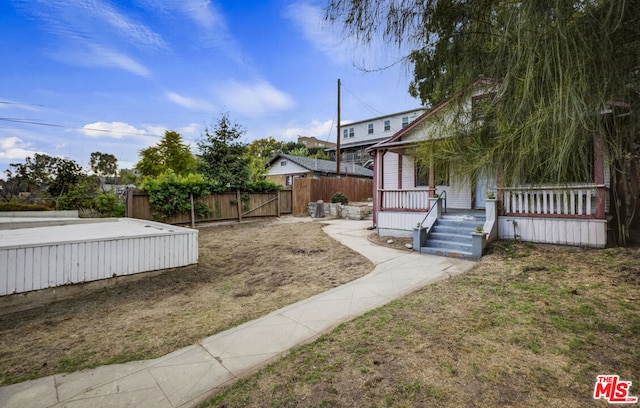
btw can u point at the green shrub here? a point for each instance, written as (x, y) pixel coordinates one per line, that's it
(262, 186)
(339, 198)
(12, 206)
(170, 194)
(108, 204)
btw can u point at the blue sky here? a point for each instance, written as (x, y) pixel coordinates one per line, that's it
(80, 76)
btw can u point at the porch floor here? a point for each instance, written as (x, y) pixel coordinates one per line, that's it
(455, 212)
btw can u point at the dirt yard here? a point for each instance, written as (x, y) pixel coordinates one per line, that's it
(246, 270)
(529, 326)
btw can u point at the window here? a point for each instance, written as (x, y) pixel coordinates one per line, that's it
(351, 132)
(441, 175)
(283, 163)
(370, 128)
(345, 133)
(387, 125)
(405, 121)
(480, 105)
(289, 181)
(422, 175)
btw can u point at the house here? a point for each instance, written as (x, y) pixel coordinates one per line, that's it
(311, 142)
(404, 195)
(283, 168)
(356, 137)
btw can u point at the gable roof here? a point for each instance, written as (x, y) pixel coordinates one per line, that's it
(395, 139)
(323, 166)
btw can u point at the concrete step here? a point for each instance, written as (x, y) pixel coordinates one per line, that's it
(448, 245)
(452, 237)
(446, 252)
(463, 236)
(460, 223)
(452, 230)
(464, 217)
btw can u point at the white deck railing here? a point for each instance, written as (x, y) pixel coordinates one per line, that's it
(405, 199)
(574, 200)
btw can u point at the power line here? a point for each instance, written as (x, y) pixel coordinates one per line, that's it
(38, 123)
(371, 109)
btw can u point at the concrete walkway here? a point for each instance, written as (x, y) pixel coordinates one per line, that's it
(190, 375)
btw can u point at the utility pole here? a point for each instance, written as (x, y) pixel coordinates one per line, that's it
(338, 141)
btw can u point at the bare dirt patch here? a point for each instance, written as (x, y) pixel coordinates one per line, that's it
(528, 326)
(391, 242)
(246, 270)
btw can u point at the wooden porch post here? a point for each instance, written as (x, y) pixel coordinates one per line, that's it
(378, 183)
(400, 172)
(598, 176)
(432, 178)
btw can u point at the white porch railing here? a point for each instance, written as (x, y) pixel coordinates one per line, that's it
(405, 199)
(572, 200)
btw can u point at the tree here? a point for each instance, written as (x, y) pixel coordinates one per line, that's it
(80, 194)
(67, 174)
(43, 173)
(222, 156)
(568, 76)
(103, 164)
(265, 148)
(34, 175)
(299, 151)
(291, 146)
(318, 153)
(259, 152)
(169, 153)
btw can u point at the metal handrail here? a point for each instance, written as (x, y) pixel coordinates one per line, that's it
(441, 196)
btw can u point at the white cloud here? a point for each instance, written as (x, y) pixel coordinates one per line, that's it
(115, 130)
(94, 33)
(15, 148)
(253, 100)
(192, 130)
(94, 21)
(190, 103)
(137, 33)
(309, 19)
(203, 13)
(112, 58)
(339, 47)
(89, 55)
(318, 129)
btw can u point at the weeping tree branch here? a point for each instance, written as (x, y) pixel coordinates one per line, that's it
(561, 66)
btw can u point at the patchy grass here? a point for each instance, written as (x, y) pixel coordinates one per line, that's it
(529, 326)
(246, 271)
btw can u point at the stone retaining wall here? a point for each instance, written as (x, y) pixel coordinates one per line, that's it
(350, 212)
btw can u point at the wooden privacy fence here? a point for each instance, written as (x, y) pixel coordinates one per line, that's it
(307, 190)
(223, 206)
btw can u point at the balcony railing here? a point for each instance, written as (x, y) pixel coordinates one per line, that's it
(573, 200)
(413, 200)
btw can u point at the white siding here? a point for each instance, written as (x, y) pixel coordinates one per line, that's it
(397, 223)
(289, 168)
(390, 167)
(26, 267)
(458, 195)
(409, 174)
(562, 231)
(361, 129)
